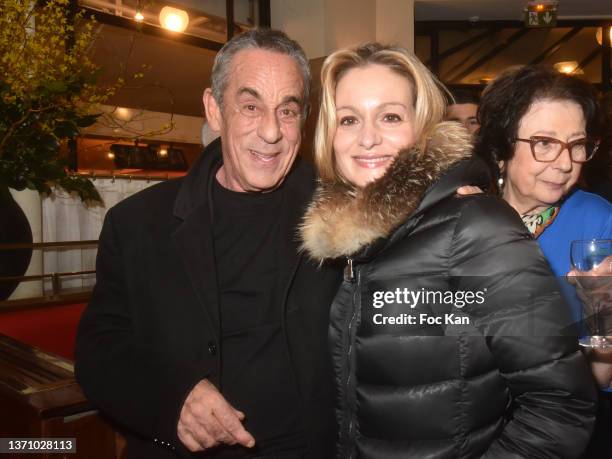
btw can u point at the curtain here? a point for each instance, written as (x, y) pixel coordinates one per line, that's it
(66, 218)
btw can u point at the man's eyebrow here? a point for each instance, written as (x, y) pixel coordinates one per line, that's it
(292, 99)
(253, 92)
(250, 91)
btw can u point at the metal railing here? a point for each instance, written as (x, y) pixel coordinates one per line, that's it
(55, 277)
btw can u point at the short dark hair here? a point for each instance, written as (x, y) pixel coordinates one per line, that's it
(266, 39)
(464, 96)
(508, 98)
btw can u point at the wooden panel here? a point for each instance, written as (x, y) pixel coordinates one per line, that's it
(40, 399)
(28, 370)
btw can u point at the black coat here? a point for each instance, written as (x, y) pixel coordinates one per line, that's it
(506, 384)
(151, 330)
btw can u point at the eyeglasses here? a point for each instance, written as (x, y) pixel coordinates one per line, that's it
(548, 149)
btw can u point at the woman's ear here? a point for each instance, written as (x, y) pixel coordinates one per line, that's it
(502, 166)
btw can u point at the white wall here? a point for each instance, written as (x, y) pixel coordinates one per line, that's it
(348, 23)
(323, 26)
(303, 21)
(395, 22)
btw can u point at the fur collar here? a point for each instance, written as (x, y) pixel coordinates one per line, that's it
(341, 220)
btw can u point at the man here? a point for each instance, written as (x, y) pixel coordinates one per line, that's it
(207, 328)
(464, 109)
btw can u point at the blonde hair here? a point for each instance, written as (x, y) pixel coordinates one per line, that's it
(429, 102)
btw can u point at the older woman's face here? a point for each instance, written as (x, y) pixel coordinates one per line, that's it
(531, 186)
(375, 120)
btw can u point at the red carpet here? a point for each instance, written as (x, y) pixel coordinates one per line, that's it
(52, 329)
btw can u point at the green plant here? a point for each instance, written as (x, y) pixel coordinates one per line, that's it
(47, 92)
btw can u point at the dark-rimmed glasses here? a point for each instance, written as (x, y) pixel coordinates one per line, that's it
(547, 149)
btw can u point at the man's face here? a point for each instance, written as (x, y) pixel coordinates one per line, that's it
(260, 120)
(464, 114)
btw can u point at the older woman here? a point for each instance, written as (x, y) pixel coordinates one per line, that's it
(538, 129)
(444, 333)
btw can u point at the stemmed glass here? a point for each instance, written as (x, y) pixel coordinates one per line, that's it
(593, 261)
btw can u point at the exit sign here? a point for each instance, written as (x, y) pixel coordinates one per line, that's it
(541, 13)
(541, 18)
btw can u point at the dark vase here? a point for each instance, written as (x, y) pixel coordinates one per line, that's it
(14, 228)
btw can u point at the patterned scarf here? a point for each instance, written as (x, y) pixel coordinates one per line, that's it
(537, 223)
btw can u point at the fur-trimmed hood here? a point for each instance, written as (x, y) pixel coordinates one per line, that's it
(341, 220)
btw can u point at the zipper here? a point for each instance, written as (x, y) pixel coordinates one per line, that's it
(350, 275)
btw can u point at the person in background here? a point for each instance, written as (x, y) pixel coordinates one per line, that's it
(597, 173)
(538, 129)
(504, 384)
(206, 330)
(464, 108)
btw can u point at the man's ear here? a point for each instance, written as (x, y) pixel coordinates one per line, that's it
(213, 111)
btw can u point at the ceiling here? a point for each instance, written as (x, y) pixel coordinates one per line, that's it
(179, 72)
(462, 10)
(175, 77)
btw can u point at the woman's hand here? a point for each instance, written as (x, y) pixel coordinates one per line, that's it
(594, 288)
(601, 366)
(468, 190)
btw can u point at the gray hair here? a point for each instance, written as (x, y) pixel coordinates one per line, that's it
(267, 39)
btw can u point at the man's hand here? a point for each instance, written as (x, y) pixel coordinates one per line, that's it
(207, 420)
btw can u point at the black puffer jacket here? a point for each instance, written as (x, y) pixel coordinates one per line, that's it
(502, 384)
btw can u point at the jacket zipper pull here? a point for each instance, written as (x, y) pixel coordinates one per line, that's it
(349, 273)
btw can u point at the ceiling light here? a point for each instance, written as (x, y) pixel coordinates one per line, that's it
(599, 35)
(123, 113)
(173, 19)
(568, 67)
(541, 6)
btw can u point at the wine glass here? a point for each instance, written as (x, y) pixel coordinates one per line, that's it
(593, 261)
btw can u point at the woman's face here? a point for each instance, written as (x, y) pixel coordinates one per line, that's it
(375, 120)
(532, 186)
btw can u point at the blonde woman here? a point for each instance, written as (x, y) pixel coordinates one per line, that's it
(444, 334)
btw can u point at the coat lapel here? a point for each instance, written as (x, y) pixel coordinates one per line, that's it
(290, 254)
(194, 236)
(194, 243)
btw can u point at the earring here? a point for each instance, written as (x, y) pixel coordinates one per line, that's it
(500, 179)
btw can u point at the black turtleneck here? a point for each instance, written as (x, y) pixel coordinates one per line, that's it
(256, 373)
